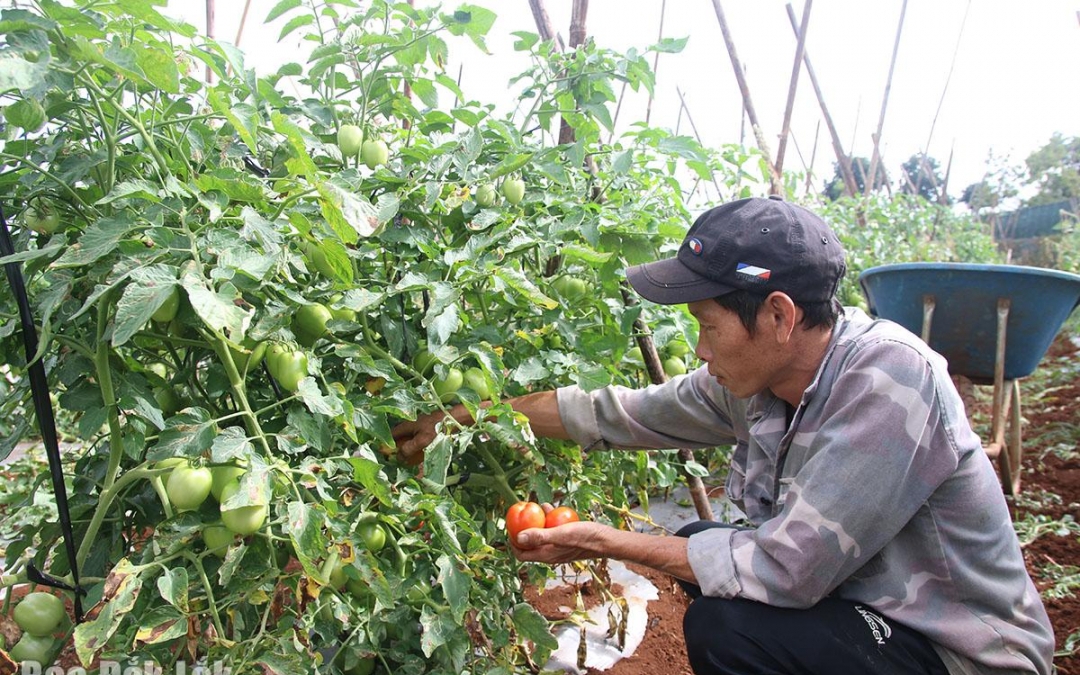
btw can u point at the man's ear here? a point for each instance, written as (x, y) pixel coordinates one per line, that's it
(780, 315)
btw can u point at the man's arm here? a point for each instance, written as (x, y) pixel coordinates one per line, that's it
(542, 409)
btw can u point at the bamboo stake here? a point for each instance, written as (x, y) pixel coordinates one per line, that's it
(656, 62)
(776, 187)
(209, 34)
(693, 127)
(578, 34)
(243, 20)
(800, 47)
(657, 376)
(876, 157)
(841, 157)
(543, 21)
(813, 157)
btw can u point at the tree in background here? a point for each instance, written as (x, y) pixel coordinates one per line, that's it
(860, 166)
(921, 176)
(1055, 169)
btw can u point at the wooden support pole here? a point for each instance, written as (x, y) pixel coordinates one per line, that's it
(777, 186)
(209, 34)
(875, 158)
(841, 157)
(543, 21)
(656, 60)
(800, 47)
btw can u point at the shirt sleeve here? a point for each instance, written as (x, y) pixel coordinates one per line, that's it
(690, 411)
(880, 447)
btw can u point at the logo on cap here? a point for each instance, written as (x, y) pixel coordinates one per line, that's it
(753, 273)
(695, 246)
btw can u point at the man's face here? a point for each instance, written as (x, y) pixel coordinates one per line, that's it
(743, 363)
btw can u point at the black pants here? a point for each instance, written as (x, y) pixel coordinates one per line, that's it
(834, 637)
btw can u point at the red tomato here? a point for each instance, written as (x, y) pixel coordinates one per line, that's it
(522, 516)
(561, 515)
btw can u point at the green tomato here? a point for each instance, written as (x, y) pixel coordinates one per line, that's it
(243, 520)
(317, 259)
(475, 379)
(678, 348)
(218, 538)
(168, 309)
(423, 361)
(246, 361)
(570, 288)
(373, 535)
(33, 649)
(39, 614)
(374, 153)
(288, 368)
(485, 195)
(310, 321)
(514, 190)
(338, 578)
(635, 356)
(168, 400)
(41, 216)
(674, 366)
(188, 486)
(222, 476)
(158, 368)
(446, 387)
(357, 588)
(349, 139)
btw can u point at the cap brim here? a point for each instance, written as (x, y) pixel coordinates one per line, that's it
(669, 282)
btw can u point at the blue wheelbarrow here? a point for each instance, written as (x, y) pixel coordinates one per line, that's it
(993, 323)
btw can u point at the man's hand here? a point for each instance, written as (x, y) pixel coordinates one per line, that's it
(412, 438)
(562, 544)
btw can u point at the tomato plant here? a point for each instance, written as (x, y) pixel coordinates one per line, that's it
(248, 201)
(522, 516)
(560, 515)
(39, 613)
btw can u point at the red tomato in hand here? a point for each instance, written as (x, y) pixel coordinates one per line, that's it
(560, 515)
(522, 516)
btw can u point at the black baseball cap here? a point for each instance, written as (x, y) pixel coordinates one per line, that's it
(758, 245)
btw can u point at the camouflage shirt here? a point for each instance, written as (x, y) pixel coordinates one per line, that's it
(878, 491)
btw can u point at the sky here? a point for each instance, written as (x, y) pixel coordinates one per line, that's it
(972, 79)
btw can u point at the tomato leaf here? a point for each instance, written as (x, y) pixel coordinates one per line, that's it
(368, 473)
(533, 626)
(305, 525)
(517, 281)
(217, 309)
(186, 434)
(455, 586)
(437, 461)
(438, 629)
(150, 287)
(173, 586)
(121, 591)
(161, 624)
(347, 214)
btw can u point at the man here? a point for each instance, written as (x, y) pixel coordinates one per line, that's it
(881, 541)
